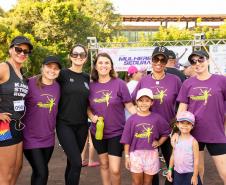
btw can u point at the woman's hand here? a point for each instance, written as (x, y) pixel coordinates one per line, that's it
(5, 117)
(194, 180)
(127, 162)
(94, 118)
(174, 139)
(155, 144)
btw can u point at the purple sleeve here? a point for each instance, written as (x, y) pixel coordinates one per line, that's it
(178, 86)
(124, 92)
(134, 93)
(163, 127)
(224, 87)
(126, 135)
(183, 93)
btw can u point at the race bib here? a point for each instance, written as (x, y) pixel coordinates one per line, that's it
(18, 105)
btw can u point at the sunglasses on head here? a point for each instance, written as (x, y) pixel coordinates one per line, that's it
(200, 60)
(19, 50)
(81, 55)
(157, 59)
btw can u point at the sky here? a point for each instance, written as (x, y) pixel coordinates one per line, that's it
(7, 4)
(158, 7)
(170, 7)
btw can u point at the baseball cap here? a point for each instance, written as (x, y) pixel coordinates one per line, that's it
(186, 116)
(160, 50)
(144, 92)
(132, 70)
(200, 53)
(21, 40)
(52, 59)
(171, 54)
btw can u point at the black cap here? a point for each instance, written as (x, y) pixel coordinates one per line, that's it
(21, 40)
(200, 53)
(52, 59)
(160, 50)
(171, 54)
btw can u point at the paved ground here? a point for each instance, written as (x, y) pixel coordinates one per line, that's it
(91, 176)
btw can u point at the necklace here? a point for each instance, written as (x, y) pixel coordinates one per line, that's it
(158, 78)
(17, 71)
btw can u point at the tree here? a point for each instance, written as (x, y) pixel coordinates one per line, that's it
(56, 25)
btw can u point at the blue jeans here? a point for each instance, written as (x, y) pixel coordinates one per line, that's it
(184, 178)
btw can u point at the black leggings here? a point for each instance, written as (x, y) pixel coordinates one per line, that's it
(39, 159)
(166, 149)
(72, 140)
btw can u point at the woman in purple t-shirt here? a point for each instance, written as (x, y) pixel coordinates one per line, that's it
(204, 95)
(165, 88)
(40, 119)
(108, 98)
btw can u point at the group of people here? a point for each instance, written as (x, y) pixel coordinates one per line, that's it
(31, 109)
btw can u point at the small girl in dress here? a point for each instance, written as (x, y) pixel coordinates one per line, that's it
(143, 133)
(185, 156)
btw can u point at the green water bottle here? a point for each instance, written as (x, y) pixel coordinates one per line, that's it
(99, 128)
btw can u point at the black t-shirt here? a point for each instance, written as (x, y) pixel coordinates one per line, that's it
(176, 72)
(74, 97)
(12, 94)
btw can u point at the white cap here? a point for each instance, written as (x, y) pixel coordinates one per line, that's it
(145, 92)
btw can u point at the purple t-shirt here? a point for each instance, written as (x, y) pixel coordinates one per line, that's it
(141, 131)
(40, 118)
(107, 100)
(205, 99)
(165, 93)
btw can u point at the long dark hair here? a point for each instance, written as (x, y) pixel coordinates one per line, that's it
(78, 45)
(94, 73)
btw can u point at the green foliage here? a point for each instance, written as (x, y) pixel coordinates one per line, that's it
(55, 25)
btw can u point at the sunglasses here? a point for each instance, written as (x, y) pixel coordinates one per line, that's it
(81, 55)
(157, 59)
(19, 50)
(200, 60)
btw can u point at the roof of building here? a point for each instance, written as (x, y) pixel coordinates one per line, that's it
(173, 18)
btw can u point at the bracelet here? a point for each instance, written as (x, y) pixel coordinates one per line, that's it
(126, 155)
(170, 169)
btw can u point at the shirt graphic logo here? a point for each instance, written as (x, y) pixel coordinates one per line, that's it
(146, 133)
(105, 98)
(49, 103)
(203, 96)
(86, 85)
(20, 89)
(71, 80)
(160, 95)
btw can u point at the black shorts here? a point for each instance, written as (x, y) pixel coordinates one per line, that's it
(112, 146)
(213, 148)
(17, 135)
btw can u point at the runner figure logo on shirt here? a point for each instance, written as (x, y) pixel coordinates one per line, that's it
(160, 95)
(146, 133)
(203, 96)
(49, 103)
(106, 96)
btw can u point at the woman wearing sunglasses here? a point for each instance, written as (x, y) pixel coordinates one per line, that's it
(165, 88)
(40, 119)
(13, 89)
(204, 95)
(72, 126)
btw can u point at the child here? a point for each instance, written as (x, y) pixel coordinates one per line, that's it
(185, 156)
(144, 132)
